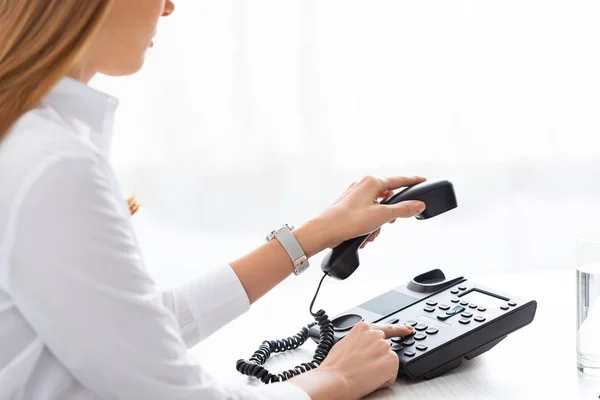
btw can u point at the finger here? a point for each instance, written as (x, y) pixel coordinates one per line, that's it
(361, 326)
(371, 238)
(393, 330)
(366, 242)
(389, 382)
(396, 182)
(375, 235)
(385, 194)
(392, 221)
(406, 209)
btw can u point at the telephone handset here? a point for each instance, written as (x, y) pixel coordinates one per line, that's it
(438, 197)
(340, 263)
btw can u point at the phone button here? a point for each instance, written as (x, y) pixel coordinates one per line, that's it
(408, 342)
(409, 353)
(455, 310)
(431, 331)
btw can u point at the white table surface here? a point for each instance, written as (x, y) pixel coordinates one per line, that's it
(535, 362)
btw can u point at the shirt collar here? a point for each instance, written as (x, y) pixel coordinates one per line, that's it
(87, 107)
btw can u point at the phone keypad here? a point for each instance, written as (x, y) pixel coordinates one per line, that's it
(461, 315)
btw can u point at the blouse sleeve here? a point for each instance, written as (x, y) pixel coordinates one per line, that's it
(207, 303)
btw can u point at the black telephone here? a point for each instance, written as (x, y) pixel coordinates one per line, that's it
(440, 310)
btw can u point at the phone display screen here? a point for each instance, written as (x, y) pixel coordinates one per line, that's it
(483, 299)
(388, 302)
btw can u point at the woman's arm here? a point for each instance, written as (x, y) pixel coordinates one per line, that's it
(262, 269)
(206, 303)
(355, 213)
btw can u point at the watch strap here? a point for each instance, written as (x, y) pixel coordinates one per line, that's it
(292, 247)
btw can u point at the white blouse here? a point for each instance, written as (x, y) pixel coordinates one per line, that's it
(80, 317)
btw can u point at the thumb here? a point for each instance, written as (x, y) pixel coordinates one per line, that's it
(393, 330)
(407, 209)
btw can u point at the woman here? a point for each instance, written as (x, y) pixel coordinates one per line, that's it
(79, 315)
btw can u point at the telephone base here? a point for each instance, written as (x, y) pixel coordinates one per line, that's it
(457, 362)
(482, 349)
(443, 369)
(454, 319)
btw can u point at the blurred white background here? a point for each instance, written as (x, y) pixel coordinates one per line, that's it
(251, 114)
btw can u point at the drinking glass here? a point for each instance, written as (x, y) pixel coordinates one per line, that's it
(588, 303)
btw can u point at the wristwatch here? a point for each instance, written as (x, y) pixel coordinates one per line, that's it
(291, 246)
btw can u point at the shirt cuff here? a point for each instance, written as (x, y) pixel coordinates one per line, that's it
(210, 302)
(282, 390)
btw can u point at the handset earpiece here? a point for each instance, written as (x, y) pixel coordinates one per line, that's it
(438, 197)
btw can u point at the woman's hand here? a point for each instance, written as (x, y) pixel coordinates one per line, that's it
(358, 210)
(357, 365)
(355, 213)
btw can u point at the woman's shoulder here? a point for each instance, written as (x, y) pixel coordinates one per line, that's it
(41, 139)
(39, 135)
(42, 132)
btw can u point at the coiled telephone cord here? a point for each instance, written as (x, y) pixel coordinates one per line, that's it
(254, 366)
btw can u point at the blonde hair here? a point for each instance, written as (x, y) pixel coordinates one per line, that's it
(40, 42)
